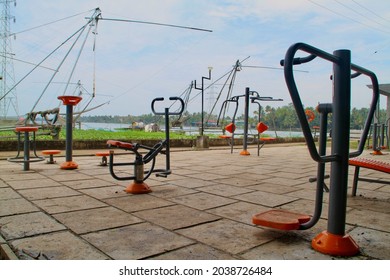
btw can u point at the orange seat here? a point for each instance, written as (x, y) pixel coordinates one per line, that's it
(225, 136)
(26, 128)
(104, 156)
(51, 154)
(120, 144)
(370, 164)
(267, 139)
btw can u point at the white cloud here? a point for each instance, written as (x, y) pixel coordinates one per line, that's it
(137, 62)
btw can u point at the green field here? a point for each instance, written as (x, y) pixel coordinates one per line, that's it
(104, 135)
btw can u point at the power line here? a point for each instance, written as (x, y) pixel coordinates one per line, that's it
(367, 9)
(347, 17)
(45, 24)
(359, 13)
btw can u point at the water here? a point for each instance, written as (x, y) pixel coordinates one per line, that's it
(102, 126)
(189, 130)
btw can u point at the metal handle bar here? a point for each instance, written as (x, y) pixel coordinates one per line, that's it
(169, 113)
(288, 63)
(265, 98)
(233, 99)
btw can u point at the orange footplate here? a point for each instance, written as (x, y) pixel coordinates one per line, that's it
(280, 219)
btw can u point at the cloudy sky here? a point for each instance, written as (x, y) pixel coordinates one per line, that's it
(134, 63)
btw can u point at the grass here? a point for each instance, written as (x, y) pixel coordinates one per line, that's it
(92, 134)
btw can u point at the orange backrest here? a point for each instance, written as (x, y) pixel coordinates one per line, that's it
(261, 127)
(231, 127)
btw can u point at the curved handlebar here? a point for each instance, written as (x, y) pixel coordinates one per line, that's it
(288, 63)
(169, 113)
(234, 99)
(300, 60)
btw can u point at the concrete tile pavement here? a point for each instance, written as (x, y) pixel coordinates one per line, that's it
(201, 211)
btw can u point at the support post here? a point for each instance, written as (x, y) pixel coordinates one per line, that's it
(69, 102)
(334, 241)
(244, 151)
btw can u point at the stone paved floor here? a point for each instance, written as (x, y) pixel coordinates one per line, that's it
(201, 211)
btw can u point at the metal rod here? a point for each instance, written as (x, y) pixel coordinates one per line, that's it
(246, 119)
(26, 165)
(340, 142)
(69, 134)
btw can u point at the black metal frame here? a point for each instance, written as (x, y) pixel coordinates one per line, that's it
(340, 108)
(162, 147)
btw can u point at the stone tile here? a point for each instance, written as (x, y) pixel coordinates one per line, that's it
(16, 206)
(132, 203)
(223, 171)
(101, 170)
(33, 183)
(105, 192)
(190, 183)
(240, 211)
(372, 204)
(265, 198)
(288, 247)
(66, 204)
(84, 221)
(236, 181)
(136, 241)
(69, 175)
(176, 216)
(224, 190)
(44, 193)
(228, 236)
(89, 183)
(372, 243)
(308, 194)
(381, 193)
(304, 206)
(3, 184)
(286, 181)
(109, 178)
(24, 225)
(273, 188)
(202, 201)
(8, 193)
(22, 176)
(207, 176)
(369, 219)
(169, 191)
(56, 246)
(195, 252)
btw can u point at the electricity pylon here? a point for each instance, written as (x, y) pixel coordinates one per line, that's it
(8, 97)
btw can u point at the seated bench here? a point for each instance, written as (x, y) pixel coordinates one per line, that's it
(51, 154)
(104, 156)
(26, 159)
(370, 164)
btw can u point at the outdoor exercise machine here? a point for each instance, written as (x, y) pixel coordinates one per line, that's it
(261, 127)
(254, 97)
(69, 101)
(138, 186)
(334, 240)
(27, 146)
(379, 133)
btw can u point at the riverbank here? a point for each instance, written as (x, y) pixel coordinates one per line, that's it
(11, 145)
